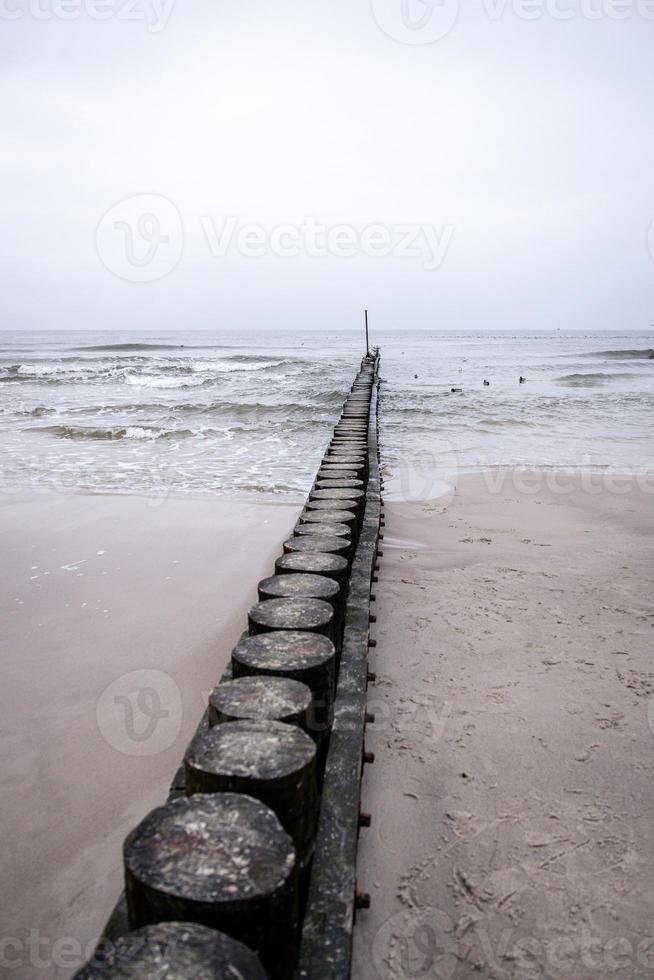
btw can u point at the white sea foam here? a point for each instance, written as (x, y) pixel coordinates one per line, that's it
(138, 432)
(39, 370)
(230, 366)
(160, 381)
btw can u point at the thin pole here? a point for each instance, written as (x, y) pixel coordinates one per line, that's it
(367, 344)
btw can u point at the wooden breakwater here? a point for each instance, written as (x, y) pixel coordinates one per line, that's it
(249, 868)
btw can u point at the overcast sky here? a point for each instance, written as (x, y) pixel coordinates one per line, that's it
(268, 164)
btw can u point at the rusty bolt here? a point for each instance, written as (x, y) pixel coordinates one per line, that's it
(372, 676)
(361, 900)
(370, 718)
(368, 757)
(364, 819)
(372, 643)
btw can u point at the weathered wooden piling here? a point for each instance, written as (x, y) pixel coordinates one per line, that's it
(340, 494)
(301, 586)
(318, 563)
(344, 453)
(319, 542)
(347, 470)
(292, 613)
(340, 483)
(260, 699)
(327, 473)
(297, 656)
(308, 527)
(325, 951)
(170, 951)
(326, 517)
(222, 860)
(342, 531)
(268, 760)
(334, 504)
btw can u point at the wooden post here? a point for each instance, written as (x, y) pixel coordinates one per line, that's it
(180, 949)
(367, 344)
(295, 613)
(319, 542)
(297, 656)
(271, 761)
(340, 530)
(320, 563)
(222, 860)
(259, 699)
(327, 517)
(325, 482)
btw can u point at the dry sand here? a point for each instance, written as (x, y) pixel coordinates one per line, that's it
(94, 589)
(512, 796)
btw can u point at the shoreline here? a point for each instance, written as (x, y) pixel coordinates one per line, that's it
(514, 728)
(522, 477)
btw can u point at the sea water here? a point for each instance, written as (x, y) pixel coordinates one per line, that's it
(250, 413)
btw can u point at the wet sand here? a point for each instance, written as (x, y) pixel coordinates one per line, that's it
(512, 796)
(119, 615)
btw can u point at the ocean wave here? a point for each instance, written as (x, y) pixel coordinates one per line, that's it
(46, 379)
(646, 353)
(237, 364)
(590, 380)
(161, 381)
(37, 412)
(57, 373)
(112, 432)
(129, 347)
(39, 369)
(244, 358)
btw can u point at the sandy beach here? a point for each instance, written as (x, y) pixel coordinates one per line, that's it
(512, 794)
(119, 615)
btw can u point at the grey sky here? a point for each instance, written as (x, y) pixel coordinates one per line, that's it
(514, 156)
